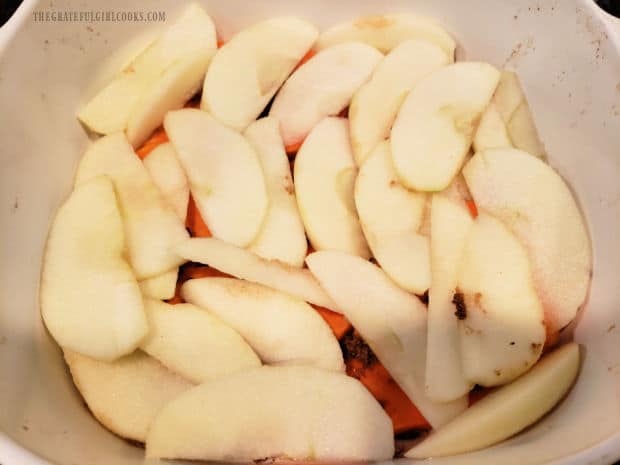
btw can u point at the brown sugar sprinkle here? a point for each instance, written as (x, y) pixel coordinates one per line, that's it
(354, 347)
(459, 303)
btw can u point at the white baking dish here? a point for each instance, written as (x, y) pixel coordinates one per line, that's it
(567, 53)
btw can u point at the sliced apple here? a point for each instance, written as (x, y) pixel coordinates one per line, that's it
(160, 287)
(282, 236)
(151, 226)
(393, 238)
(194, 343)
(298, 413)
(523, 131)
(125, 395)
(90, 300)
(536, 204)
(249, 68)
(450, 225)
(388, 31)
(501, 319)
(508, 95)
(164, 167)
(507, 410)
(391, 321)
(246, 265)
(321, 87)
(375, 104)
(232, 201)
(109, 111)
(434, 128)
(324, 181)
(282, 329)
(492, 132)
(177, 84)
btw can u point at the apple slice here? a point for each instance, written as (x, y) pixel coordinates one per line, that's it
(387, 31)
(90, 300)
(537, 205)
(297, 413)
(501, 319)
(375, 104)
(246, 265)
(393, 238)
(391, 321)
(492, 132)
(434, 128)
(151, 226)
(321, 87)
(249, 69)
(109, 111)
(507, 410)
(324, 181)
(450, 225)
(523, 131)
(177, 84)
(160, 287)
(164, 167)
(194, 343)
(282, 236)
(282, 329)
(232, 201)
(125, 395)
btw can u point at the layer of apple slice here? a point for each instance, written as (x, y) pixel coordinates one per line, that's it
(282, 236)
(194, 343)
(90, 300)
(232, 201)
(297, 413)
(435, 125)
(177, 84)
(109, 111)
(282, 329)
(160, 287)
(391, 321)
(507, 410)
(151, 226)
(125, 395)
(390, 216)
(501, 318)
(321, 87)
(167, 173)
(508, 121)
(536, 204)
(387, 31)
(375, 104)
(324, 182)
(246, 265)
(450, 225)
(249, 68)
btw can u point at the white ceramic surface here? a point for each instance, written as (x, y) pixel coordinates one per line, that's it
(567, 53)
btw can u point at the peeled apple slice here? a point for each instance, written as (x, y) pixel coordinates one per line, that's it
(232, 201)
(391, 321)
(435, 126)
(151, 226)
(246, 265)
(125, 395)
(109, 111)
(375, 104)
(324, 181)
(160, 287)
(282, 236)
(393, 239)
(248, 69)
(323, 86)
(298, 413)
(535, 203)
(90, 300)
(194, 343)
(388, 31)
(507, 410)
(282, 329)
